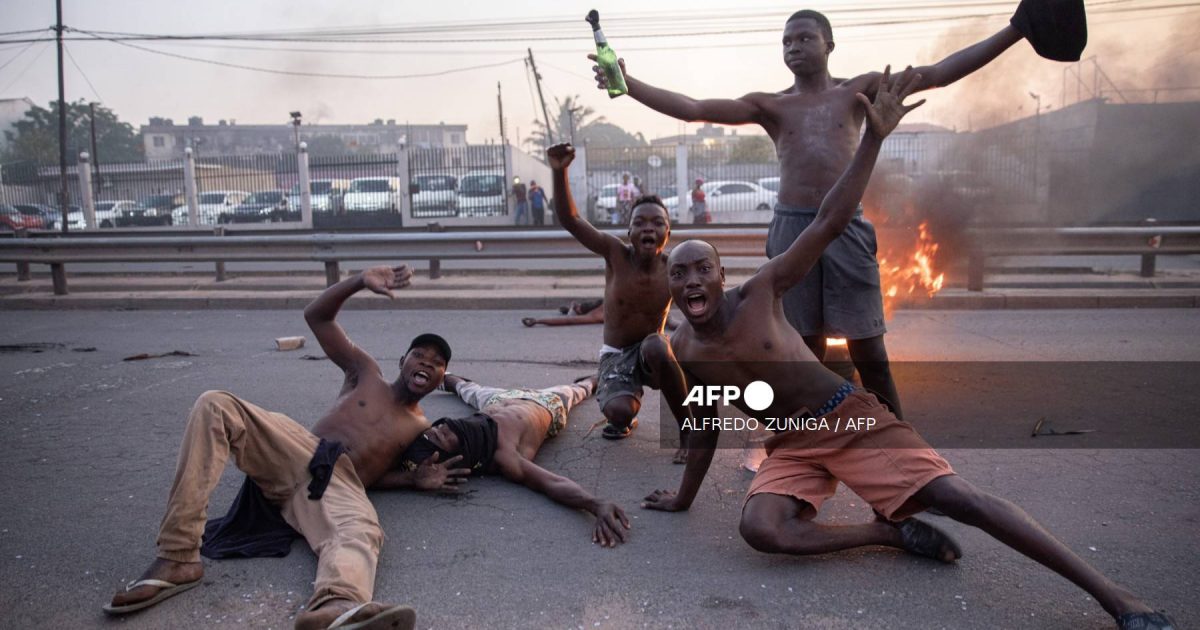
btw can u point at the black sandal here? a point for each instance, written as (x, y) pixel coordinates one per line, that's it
(922, 539)
(1144, 621)
(612, 432)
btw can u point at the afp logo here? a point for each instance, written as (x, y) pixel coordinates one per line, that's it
(757, 396)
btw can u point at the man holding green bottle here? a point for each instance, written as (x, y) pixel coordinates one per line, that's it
(815, 124)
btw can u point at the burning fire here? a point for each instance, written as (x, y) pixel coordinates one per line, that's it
(902, 274)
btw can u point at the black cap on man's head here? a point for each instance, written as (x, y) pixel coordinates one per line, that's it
(430, 339)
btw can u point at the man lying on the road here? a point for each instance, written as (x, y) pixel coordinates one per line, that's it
(739, 337)
(505, 436)
(315, 480)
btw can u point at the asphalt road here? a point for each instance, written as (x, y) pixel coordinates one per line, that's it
(92, 440)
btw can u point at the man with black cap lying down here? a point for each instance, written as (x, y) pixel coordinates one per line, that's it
(310, 482)
(504, 437)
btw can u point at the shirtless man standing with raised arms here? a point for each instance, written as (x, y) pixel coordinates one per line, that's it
(741, 336)
(815, 125)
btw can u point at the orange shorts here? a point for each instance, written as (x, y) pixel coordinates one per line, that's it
(885, 465)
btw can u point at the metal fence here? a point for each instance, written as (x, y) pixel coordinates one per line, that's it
(465, 181)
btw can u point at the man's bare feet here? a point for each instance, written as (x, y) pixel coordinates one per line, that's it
(529, 322)
(680, 456)
(379, 616)
(160, 569)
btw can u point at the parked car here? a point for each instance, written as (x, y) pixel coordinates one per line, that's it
(210, 205)
(727, 196)
(770, 183)
(49, 215)
(13, 219)
(606, 200)
(153, 210)
(368, 194)
(435, 193)
(267, 205)
(482, 194)
(108, 211)
(75, 220)
(327, 196)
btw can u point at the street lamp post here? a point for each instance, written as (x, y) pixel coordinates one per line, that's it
(296, 127)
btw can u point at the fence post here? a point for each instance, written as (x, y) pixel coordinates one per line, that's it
(508, 178)
(1149, 261)
(218, 232)
(189, 187)
(403, 174)
(84, 170)
(580, 190)
(332, 273)
(975, 262)
(58, 274)
(682, 199)
(306, 217)
(23, 274)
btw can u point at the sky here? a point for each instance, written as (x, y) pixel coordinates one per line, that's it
(1130, 46)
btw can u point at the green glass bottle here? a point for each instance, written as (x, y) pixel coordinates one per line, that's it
(607, 59)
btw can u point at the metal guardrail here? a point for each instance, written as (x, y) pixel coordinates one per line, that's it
(1146, 241)
(331, 248)
(507, 244)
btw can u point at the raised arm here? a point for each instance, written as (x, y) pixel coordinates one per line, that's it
(611, 523)
(725, 111)
(320, 314)
(954, 67)
(560, 157)
(839, 205)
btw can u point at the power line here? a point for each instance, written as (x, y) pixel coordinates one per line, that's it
(16, 56)
(33, 60)
(306, 74)
(85, 76)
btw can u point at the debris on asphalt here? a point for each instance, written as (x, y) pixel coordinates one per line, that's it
(173, 353)
(284, 344)
(1043, 428)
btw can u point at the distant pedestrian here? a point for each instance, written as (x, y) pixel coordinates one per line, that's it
(641, 187)
(626, 193)
(522, 197)
(537, 203)
(699, 207)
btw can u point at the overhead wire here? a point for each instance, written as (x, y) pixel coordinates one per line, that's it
(67, 49)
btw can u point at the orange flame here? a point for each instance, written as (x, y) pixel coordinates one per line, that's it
(914, 271)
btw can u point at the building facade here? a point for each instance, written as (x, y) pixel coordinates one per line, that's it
(165, 140)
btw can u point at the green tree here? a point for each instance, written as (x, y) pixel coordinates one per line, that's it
(569, 118)
(578, 123)
(752, 150)
(35, 137)
(606, 134)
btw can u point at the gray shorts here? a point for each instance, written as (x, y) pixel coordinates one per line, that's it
(621, 374)
(840, 297)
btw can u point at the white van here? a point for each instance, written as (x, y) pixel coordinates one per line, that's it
(482, 194)
(368, 194)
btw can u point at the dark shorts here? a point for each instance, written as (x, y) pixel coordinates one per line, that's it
(621, 374)
(841, 296)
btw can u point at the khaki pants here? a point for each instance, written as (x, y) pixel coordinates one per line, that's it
(273, 450)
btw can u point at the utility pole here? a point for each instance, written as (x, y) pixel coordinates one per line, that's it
(95, 153)
(62, 120)
(537, 78)
(500, 106)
